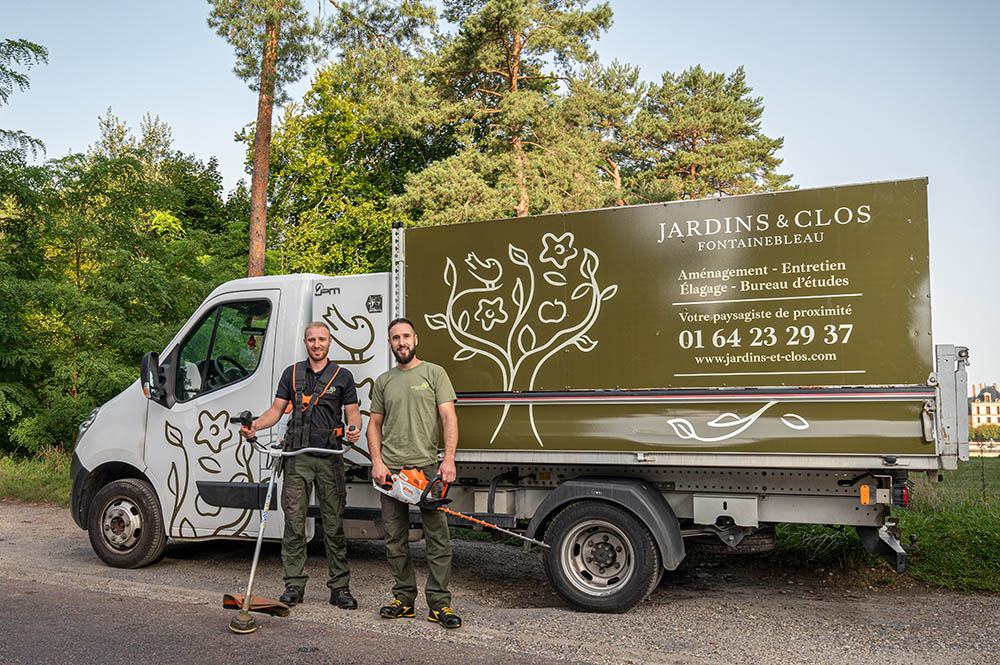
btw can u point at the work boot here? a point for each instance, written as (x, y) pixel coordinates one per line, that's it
(343, 599)
(397, 609)
(293, 595)
(446, 617)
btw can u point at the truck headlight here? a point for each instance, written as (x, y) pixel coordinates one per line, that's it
(88, 421)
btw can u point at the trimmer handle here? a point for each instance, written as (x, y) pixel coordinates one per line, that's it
(245, 418)
(431, 501)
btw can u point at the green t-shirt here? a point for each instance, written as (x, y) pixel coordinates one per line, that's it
(409, 401)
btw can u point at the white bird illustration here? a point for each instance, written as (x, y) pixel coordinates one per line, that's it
(355, 335)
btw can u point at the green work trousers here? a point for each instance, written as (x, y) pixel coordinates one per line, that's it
(326, 473)
(396, 516)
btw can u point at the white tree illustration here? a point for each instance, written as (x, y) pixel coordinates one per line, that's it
(519, 325)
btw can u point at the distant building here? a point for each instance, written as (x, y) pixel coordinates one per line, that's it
(984, 407)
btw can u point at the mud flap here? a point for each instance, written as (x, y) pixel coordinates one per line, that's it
(884, 543)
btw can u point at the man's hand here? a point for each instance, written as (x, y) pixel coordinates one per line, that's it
(379, 472)
(447, 471)
(353, 434)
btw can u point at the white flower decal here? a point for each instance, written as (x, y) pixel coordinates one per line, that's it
(558, 251)
(552, 311)
(490, 312)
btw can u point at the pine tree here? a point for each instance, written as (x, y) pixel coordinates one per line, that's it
(698, 135)
(273, 40)
(501, 84)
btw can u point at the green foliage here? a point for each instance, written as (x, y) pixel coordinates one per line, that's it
(523, 147)
(338, 158)
(102, 256)
(43, 477)
(13, 53)
(985, 433)
(957, 523)
(242, 23)
(698, 135)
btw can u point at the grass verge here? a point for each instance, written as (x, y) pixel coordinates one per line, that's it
(957, 523)
(43, 477)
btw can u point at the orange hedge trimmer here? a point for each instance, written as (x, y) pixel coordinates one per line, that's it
(411, 486)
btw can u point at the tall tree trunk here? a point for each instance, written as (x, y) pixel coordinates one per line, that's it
(520, 175)
(616, 178)
(262, 152)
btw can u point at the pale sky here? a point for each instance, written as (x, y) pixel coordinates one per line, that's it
(860, 90)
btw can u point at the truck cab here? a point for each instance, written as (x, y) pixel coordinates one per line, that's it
(173, 464)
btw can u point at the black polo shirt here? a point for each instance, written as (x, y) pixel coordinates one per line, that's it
(328, 412)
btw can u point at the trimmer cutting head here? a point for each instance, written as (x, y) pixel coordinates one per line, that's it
(243, 623)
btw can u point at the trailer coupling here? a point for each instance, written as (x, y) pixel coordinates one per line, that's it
(884, 541)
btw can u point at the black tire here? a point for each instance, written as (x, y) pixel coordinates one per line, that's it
(758, 542)
(125, 524)
(621, 568)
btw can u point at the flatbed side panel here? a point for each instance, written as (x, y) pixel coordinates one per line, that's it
(826, 287)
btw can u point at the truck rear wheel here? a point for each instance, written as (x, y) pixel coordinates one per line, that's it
(125, 524)
(601, 559)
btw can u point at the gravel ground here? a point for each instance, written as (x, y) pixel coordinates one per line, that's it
(738, 612)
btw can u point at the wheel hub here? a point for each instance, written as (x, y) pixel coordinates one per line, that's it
(121, 524)
(598, 557)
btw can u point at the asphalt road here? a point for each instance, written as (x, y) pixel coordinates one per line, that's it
(61, 604)
(46, 623)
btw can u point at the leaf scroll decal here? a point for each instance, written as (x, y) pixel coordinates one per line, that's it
(580, 291)
(526, 339)
(518, 295)
(795, 421)
(464, 354)
(463, 321)
(210, 464)
(205, 509)
(173, 435)
(555, 278)
(589, 265)
(609, 293)
(726, 420)
(436, 321)
(517, 255)
(585, 343)
(186, 529)
(449, 272)
(682, 428)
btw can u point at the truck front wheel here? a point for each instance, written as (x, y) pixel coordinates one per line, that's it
(601, 559)
(125, 524)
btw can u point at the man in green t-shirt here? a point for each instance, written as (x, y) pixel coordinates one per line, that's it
(407, 403)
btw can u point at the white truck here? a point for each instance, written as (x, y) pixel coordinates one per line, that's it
(632, 383)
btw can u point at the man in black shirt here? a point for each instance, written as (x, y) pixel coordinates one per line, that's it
(316, 391)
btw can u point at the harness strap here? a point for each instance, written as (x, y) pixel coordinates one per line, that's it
(301, 424)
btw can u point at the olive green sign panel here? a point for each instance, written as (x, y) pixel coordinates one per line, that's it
(804, 288)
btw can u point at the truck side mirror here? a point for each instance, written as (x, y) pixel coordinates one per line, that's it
(151, 377)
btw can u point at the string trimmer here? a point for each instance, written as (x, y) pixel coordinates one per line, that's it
(411, 486)
(243, 622)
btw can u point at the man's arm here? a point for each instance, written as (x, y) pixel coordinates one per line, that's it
(271, 416)
(374, 435)
(449, 423)
(353, 413)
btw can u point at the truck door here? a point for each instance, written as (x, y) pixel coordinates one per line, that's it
(224, 365)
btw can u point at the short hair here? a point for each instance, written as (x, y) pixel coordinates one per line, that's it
(402, 319)
(316, 324)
